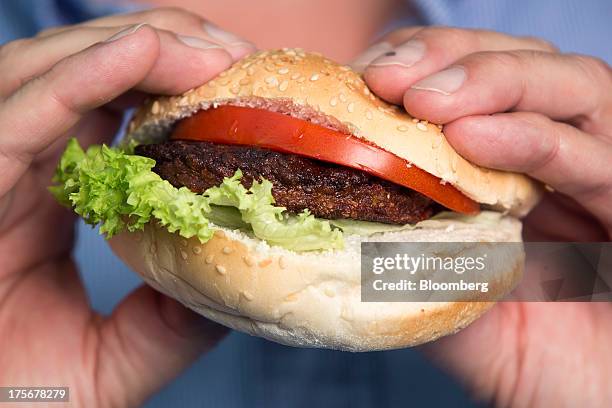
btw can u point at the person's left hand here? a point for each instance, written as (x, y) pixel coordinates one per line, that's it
(518, 104)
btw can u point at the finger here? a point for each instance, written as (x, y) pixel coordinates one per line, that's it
(563, 87)
(578, 224)
(423, 52)
(148, 341)
(560, 155)
(41, 111)
(179, 21)
(388, 42)
(196, 58)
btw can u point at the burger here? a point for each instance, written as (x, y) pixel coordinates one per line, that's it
(247, 199)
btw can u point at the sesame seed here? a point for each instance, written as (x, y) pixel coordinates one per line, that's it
(454, 161)
(421, 126)
(314, 77)
(184, 242)
(415, 120)
(295, 76)
(402, 128)
(250, 71)
(333, 101)
(234, 89)
(249, 261)
(244, 81)
(366, 91)
(272, 81)
(209, 259)
(222, 74)
(343, 97)
(300, 80)
(329, 292)
(183, 254)
(408, 165)
(221, 269)
(246, 65)
(265, 262)
(549, 188)
(291, 53)
(436, 142)
(282, 262)
(283, 86)
(351, 107)
(227, 250)
(368, 114)
(197, 250)
(155, 108)
(212, 83)
(247, 295)
(344, 68)
(224, 81)
(283, 71)
(269, 68)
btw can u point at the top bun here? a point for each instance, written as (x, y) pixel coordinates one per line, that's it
(310, 86)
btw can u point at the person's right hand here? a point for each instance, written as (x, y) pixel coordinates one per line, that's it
(75, 81)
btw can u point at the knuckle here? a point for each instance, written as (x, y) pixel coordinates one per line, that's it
(402, 34)
(12, 48)
(167, 16)
(453, 37)
(492, 59)
(542, 44)
(51, 31)
(596, 68)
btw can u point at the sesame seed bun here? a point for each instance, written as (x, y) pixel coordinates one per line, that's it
(309, 86)
(314, 299)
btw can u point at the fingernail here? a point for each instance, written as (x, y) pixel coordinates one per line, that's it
(375, 51)
(445, 82)
(196, 42)
(125, 32)
(224, 36)
(404, 55)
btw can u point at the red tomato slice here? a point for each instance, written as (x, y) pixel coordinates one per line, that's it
(283, 133)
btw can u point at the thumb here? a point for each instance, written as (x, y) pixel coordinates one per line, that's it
(147, 341)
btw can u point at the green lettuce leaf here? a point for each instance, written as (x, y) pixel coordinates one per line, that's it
(442, 219)
(119, 191)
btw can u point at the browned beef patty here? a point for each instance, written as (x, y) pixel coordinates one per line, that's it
(328, 190)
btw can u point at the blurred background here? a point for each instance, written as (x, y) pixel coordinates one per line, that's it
(246, 371)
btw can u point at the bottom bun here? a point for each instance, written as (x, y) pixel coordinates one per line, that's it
(312, 299)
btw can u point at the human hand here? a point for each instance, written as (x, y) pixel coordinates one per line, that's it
(76, 81)
(517, 104)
